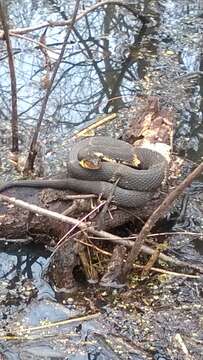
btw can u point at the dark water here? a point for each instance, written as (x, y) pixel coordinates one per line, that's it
(112, 58)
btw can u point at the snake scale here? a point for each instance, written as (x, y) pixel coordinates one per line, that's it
(135, 186)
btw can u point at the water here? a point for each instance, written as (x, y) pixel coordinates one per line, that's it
(111, 59)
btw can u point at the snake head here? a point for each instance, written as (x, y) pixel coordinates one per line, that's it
(92, 161)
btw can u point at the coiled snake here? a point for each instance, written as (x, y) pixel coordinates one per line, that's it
(135, 186)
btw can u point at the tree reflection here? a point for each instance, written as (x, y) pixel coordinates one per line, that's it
(98, 70)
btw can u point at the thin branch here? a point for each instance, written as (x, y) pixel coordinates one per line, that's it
(103, 234)
(38, 43)
(171, 273)
(155, 217)
(172, 233)
(38, 210)
(141, 267)
(14, 121)
(94, 63)
(80, 16)
(33, 148)
(62, 240)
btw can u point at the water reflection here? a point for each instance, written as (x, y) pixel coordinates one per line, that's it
(111, 56)
(97, 66)
(25, 262)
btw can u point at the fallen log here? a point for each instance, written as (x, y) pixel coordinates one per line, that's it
(150, 127)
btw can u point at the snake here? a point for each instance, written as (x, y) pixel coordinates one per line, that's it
(135, 186)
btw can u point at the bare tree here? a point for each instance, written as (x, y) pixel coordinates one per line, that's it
(14, 119)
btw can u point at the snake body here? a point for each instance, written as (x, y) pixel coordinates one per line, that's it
(135, 187)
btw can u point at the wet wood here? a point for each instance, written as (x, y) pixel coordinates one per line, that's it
(150, 125)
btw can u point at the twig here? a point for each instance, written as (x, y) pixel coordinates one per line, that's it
(38, 210)
(146, 249)
(152, 260)
(155, 217)
(72, 208)
(14, 121)
(102, 234)
(33, 148)
(79, 197)
(172, 233)
(171, 273)
(95, 125)
(15, 241)
(183, 347)
(104, 252)
(61, 241)
(38, 43)
(142, 267)
(134, 237)
(59, 323)
(100, 218)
